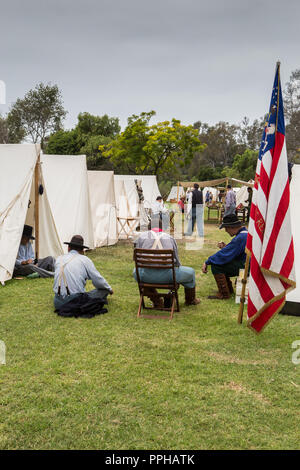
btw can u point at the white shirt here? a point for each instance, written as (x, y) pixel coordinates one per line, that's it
(78, 269)
(158, 207)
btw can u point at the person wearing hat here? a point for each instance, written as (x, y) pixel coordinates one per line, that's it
(26, 264)
(71, 273)
(230, 259)
(157, 239)
(230, 201)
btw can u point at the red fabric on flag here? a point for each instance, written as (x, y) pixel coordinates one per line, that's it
(270, 241)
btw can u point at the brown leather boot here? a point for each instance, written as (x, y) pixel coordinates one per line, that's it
(230, 286)
(224, 292)
(190, 296)
(156, 299)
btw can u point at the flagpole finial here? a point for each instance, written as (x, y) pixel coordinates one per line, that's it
(278, 63)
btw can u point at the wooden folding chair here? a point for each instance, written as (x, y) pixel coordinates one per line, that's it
(156, 259)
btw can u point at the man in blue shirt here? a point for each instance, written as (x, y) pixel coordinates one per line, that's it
(26, 264)
(230, 259)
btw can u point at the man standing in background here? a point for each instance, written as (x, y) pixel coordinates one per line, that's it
(230, 201)
(195, 214)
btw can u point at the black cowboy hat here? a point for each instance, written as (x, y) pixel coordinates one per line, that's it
(77, 242)
(27, 232)
(230, 220)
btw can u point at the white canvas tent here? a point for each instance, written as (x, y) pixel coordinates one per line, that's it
(293, 298)
(242, 196)
(175, 192)
(127, 199)
(66, 183)
(212, 190)
(103, 207)
(131, 207)
(61, 211)
(149, 186)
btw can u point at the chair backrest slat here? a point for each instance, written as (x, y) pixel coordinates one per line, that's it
(154, 259)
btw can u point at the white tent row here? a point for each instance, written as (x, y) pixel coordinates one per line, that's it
(212, 190)
(149, 186)
(175, 192)
(103, 207)
(61, 205)
(128, 202)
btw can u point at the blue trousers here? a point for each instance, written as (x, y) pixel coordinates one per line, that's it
(184, 276)
(196, 218)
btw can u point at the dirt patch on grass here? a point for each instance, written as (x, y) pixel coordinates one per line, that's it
(236, 360)
(239, 388)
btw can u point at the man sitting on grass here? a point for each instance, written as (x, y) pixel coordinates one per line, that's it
(230, 259)
(71, 273)
(26, 265)
(155, 238)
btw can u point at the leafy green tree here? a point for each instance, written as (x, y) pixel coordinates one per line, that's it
(293, 137)
(8, 134)
(64, 143)
(243, 167)
(89, 124)
(222, 144)
(3, 131)
(90, 133)
(91, 149)
(38, 114)
(153, 149)
(291, 96)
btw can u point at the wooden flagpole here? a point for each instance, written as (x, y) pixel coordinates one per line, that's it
(36, 207)
(244, 283)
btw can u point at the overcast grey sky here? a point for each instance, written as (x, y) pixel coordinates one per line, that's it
(194, 60)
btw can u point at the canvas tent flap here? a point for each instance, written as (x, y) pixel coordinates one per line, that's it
(149, 186)
(66, 183)
(175, 191)
(241, 196)
(17, 168)
(294, 295)
(103, 207)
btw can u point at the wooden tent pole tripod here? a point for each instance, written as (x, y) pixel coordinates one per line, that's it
(36, 207)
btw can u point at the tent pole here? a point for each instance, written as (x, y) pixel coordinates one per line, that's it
(244, 282)
(177, 191)
(37, 208)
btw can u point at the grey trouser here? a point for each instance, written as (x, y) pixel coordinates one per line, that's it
(44, 267)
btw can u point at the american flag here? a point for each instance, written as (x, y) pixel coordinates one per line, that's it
(270, 241)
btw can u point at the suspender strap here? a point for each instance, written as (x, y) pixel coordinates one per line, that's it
(62, 275)
(157, 243)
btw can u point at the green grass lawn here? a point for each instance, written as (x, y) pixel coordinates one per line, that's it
(200, 381)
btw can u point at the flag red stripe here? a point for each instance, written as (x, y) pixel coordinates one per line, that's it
(264, 181)
(288, 262)
(278, 220)
(279, 141)
(259, 223)
(265, 316)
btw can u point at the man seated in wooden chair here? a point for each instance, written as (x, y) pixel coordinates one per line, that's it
(156, 239)
(230, 259)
